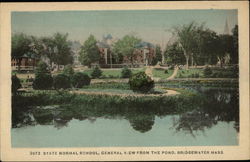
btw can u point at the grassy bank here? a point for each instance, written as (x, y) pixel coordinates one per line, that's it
(162, 73)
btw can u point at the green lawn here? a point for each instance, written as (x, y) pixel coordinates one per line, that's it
(160, 73)
(190, 73)
(113, 73)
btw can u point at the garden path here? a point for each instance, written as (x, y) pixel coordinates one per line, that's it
(174, 73)
(167, 93)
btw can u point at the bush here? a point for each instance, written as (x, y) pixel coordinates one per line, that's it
(42, 68)
(43, 81)
(166, 71)
(61, 81)
(140, 82)
(43, 78)
(126, 73)
(80, 79)
(68, 70)
(207, 71)
(15, 85)
(96, 73)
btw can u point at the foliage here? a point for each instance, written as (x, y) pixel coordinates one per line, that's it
(126, 47)
(235, 52)
(48, 48)
(140, 82)
(174, 55)
(207, 71)
(190, 73)
(68, 70)
(20, 45)
(158, 55)
(186, 36)
(15, 84)
(63, 51)
(96, 73)
(126, 73)
(43, 78)
(43, 81)
(42, 68)
(61, 81)
(80, 79)
(89, 51)
(164, 74)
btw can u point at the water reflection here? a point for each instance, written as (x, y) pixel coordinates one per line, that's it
(212, 106)
(142, 123)
(218, 105)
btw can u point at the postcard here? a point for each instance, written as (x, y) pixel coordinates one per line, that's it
(125, 81)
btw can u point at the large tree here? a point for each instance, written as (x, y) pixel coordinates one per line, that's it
(89, 52)
(186, 35)
(206, 52)
(48, 49)
(20, 44)
(126, 47)
(174, 54)
(225, 46)
(63, 53)
(158, 55)
(235, 53)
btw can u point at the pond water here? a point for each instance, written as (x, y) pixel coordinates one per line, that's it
(213, 122)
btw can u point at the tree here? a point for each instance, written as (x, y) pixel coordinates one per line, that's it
(48, 49)
(61, 81)
(206, 52)
(80, 79)
(126, 72)
(174, 54)
(225, 46)
(20, 44)
(89, 52)
(186, 36)
(140, 82)
(43, 78)
(158, 55)
(235, 53)
(68, 70)
(126, 46)
(96, 73)
(15, 84)
(63, 53)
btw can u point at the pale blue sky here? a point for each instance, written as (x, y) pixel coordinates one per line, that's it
(149, 25)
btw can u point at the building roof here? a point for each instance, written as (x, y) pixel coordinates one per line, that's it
(102, 45)
(29, 55)
(108, 36)
(144, 45)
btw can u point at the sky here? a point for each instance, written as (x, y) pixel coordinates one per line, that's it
(150, 25)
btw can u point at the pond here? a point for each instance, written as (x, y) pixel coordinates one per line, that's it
(212, 121)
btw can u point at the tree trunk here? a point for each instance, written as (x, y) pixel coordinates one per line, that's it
(220, 59)
(19, 64)
(187, 58)
(192, 61)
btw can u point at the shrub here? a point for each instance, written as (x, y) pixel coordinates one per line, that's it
(43, 81)
(140, 82)
(42, 68)
(15, 85)
(96, 73)
(207, 71)
(68, 70)
(61, 81)
(80, 79)
(43, 78)
(166, 71)
(126, 73)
